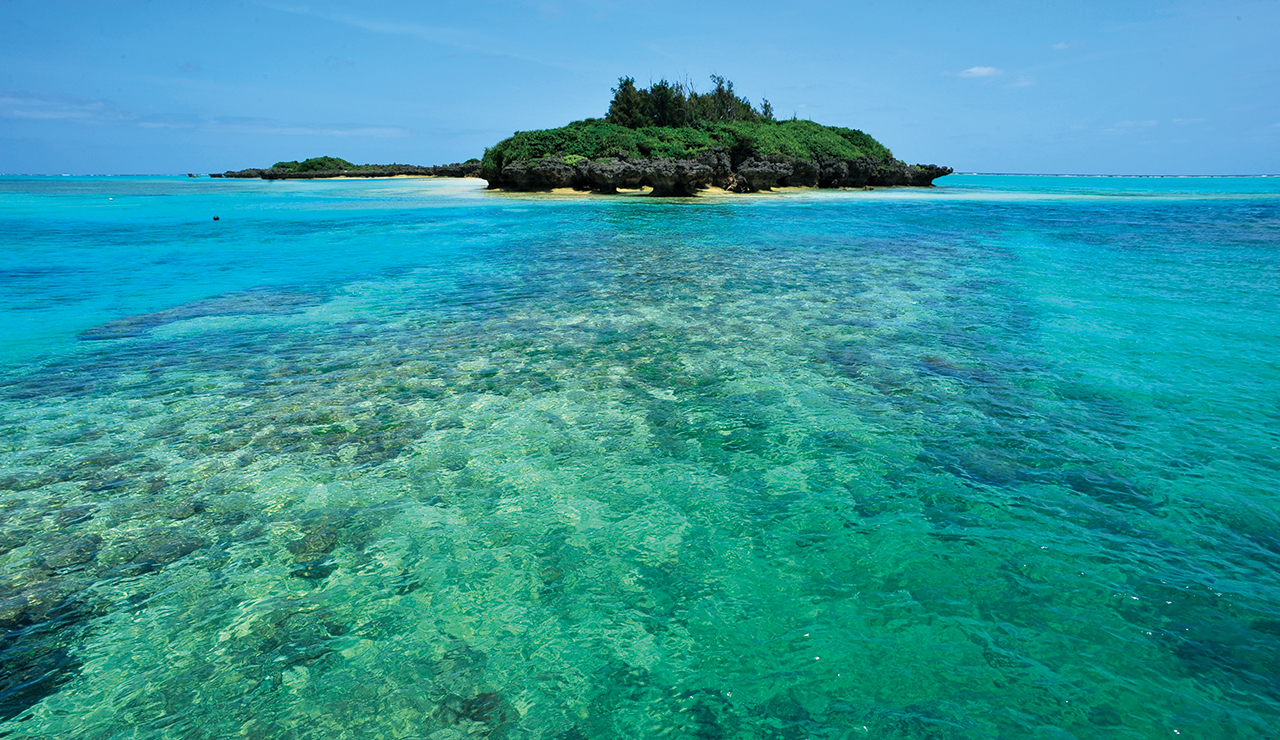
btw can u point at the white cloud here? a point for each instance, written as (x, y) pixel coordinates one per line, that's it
(981, 72)
(1023, 81)
(31, 106)
(43, 107)
(1062, 45)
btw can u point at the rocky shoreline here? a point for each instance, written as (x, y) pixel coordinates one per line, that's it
(715, 167)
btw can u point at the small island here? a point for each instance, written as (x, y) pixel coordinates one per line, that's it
(667, 137)
(318, 168)
(677, 141)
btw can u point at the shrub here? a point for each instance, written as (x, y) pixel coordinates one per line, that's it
(315, 164)
(601, 139)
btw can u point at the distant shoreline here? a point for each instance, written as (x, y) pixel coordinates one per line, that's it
(329, 168)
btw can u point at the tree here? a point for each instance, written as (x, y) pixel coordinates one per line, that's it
(678, 105)
(666, 105)
(628, 106)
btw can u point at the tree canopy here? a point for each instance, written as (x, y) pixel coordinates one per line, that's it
(677, 105)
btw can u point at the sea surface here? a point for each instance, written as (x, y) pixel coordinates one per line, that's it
(380, 459)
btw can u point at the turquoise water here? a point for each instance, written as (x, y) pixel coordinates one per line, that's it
(408, 459)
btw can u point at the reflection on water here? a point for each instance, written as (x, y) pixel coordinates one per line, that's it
(821, 467)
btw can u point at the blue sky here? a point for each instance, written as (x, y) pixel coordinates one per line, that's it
(1061, 87)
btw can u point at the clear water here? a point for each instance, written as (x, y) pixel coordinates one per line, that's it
(407, 459)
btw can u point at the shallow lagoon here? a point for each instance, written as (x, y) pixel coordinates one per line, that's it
(407, 459)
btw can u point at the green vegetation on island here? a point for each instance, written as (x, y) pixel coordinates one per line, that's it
(673, 121)
(321, 164)
(676, 140)
(599, 139)
(324, 167)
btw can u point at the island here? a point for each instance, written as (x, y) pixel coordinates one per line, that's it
(667, 137)
(677, 141)
(318, 168)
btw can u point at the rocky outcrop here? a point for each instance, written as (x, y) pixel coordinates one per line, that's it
(607, 177)
(804, 174)
(721, 164)
(759, 174)
(923, 175)
(676, 176)
(711, 167)
(541, 174)
(665, 176)
(459, 169)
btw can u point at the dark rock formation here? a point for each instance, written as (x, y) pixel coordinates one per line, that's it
(923, 175)
(665, 176)
(246, 173)
(712, 167)
(721, 164)
(763, 175)
(607, 177)
(676, 177)
(540, 174)
(804, 174)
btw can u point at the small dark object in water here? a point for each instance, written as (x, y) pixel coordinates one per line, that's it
(215, 218)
